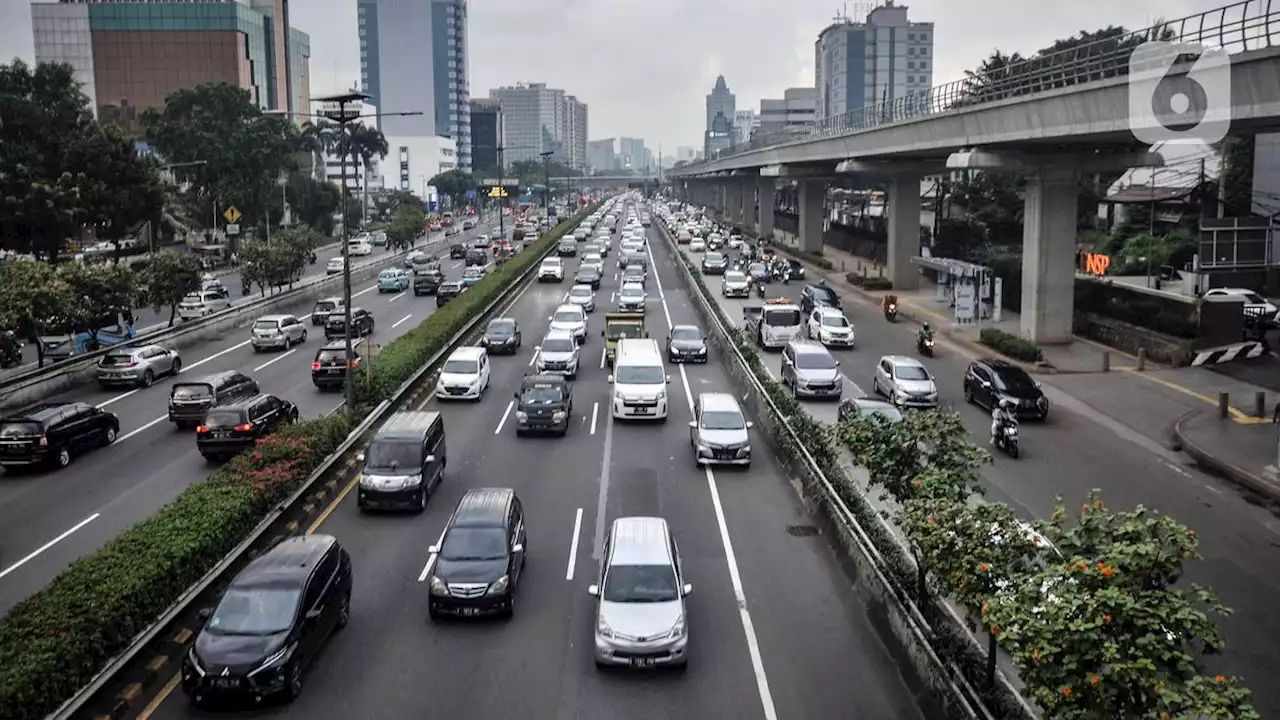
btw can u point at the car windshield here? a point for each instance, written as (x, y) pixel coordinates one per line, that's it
(1013, 380)
(226, 418)
(619, 331)
(386, 274)
(888, 413)
(631, 293)
(640, 584)
(686, 333)
(541, 394)
(192, 392)
(782, 318)
(117, 359)
(558, 345)
(387, 455)
(835, 321)
(734, 277)
(757, 269)
(580, 292)
(332, 357)
(472, 272)
(550, 266)
(19, 429)
(450, 287)
(640, 375)
(337, 318)
(910, 372)
(723, 420)
(263, 610)
(714, 258)
(815, 361)
(501, 328)
(567, 316)
(468, 543)
(823, 296)
(325, 306)
(461, 367)
(1254, 298)
(266, 325)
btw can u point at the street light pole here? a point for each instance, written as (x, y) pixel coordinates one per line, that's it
(502, 189)
(546, 183)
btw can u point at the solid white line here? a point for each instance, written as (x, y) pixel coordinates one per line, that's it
(397, 297)
(275, 359)
(60, 538)
(366, 290)
(595, 414)
(117, 398)
(216, 355)
(503, 421)
(131, 433)
(431, 560)
(401, 320)
(611, 297)
(573, 545)
(536, 349)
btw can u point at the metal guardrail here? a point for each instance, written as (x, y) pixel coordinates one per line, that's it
(1238, 27)
(130, 658)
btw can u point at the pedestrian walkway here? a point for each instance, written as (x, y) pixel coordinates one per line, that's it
(1245, 454)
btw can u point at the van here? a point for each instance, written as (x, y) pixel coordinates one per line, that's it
(639, 380)
(190, 400)
(404, 462)
(480, 559)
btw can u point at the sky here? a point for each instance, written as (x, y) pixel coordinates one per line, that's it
(644, 67)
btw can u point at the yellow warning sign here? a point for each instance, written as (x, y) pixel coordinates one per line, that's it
(232, 214)
(498, 192)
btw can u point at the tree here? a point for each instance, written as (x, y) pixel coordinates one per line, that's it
(994, 201)
(454, 184)
(279, 262)
(33, 299)
(167, 279)
(98, 294)
(405, 226)
(120, 192)
(313, 202)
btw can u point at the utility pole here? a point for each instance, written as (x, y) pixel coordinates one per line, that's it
(546, 182)
(502, 190)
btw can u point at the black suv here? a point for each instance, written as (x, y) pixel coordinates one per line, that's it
(544, 403)
(231, 426)
(449, 290)
(404, 462)
(426, 283)
(361, 323)
(480, 557)
(329, 368)
(189, 401)
(324, 306)
(457, 251)
(270, 623)
(990, 380)
(814, 295)
(54, 433)
(477, 256)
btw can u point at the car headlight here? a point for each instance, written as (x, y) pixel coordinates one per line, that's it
(411, 481)
(679, 629)
(662, 395)
(277, 659)
(194, 660)
(365, 481)
(558, 416)
(438, 587)
(500, 585)
(522, 416)
(603, 629)
(704, 447)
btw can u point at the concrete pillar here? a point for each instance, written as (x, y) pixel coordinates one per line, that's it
(1048, 256)
(812, 196)
(733, 201)
(766, 191)
(904, 231)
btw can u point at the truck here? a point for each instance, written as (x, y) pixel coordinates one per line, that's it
(619, 325)
(773, 324)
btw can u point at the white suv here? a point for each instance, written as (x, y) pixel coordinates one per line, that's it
(465, 375)
(551, 269)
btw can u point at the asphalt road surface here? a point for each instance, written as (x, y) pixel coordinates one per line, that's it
(1078, 449)
(49, 519)
(775, 630)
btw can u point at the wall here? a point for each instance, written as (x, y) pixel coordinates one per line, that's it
(1130, 338)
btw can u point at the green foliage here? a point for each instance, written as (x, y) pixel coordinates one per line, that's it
(168, 278)
(97, 294)
(280, 261)
(924, 455)
(454, 185)
(406, 225)
(1011, 345)
(1144, 252)
(313, 202)
(32, 296)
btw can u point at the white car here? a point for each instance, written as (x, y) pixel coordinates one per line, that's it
(1254, 304)
(735, 242)
(830, 327)
(465, 375)
(558, 354)
(571, 319)
(551, 269)
(582, 296)
(335, 266)
(905, 381)
(360, 247)
(199, 304)
(697, 245)
(631, 298)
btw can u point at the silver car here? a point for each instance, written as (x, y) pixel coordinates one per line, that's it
(808, 370)
(641, 619)
(735, 284)
(278, 331)
(558, 354)
(906, 382)
(631, 297)
(137, 366)
(718, 431)
(582, 296)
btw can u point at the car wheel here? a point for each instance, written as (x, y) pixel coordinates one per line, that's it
(177, 366)
(968, 393)
(294, 688)
(344, 611)
(422, 500)
(875, 386)
(63, 458)
(288, 343)
(147, 378)
(304, 336)
(110, 436)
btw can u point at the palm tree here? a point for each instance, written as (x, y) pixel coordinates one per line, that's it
(363, 143)
(317, 140)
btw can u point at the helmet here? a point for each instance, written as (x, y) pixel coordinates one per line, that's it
(925, 327)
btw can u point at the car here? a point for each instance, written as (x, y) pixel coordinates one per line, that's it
(324, 306)
(479, 562)
(427, 282)
(684, 237)
(404, 462)
(830, 327)
(472, 276)
(592, 258)
(137, 366)
(202, 304)
(189, 400)
(330, 364)
(558, 354)
(544, 403)
(686, 343)
(714, 263)
(449, 290)
(468, 224)
(551, 270)
(851, 408)
(571, 318)
(465, 375)
(808, 370)
(1255, 306)
(718, 431)
(359, 247)
(811, 296)
(582, 296)
(589, 275)
(640, 614)
(501, 336)
(393, 279)
(989, 381)
(237, 423)
(335, 266)
(697, 245)
(905, 381)
(568, 247)
(270, 623)
(53, 434)
(457, 251)
(277, 331)
(735, 239)
(639, 381)
(481, 241)
(798, 273)
(361, 323)
(631, 297)
(734, 283)
(635, 274)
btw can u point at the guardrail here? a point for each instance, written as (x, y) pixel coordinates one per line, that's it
(872, 575)
(147, 658)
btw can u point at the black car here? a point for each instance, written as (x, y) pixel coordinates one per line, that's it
(544, 403)
(567, 247)
(457, 251)
(686, 343)
(54, 433)
(235, 424)
(190, 400)
(990, 380)
(851, 408)
(427, 282)
(480, 557)
(361, 324)
(404, 462)
(448, 291)
(714, 263)
(477, 256)
(813, 295)
(270, 623)
(329, 368)
(324, 306)
(797, 270)
(588, 275)
(501, 336)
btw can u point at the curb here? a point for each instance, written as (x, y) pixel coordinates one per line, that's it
(1260, 486)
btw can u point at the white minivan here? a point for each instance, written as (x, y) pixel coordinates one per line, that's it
(639, 380)
(359, 247)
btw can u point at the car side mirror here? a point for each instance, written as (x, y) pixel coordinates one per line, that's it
(433, 550)
(360, 458)
(693, 424)
(687, 589)
(601, 333)
(985, 384)
(750, 424)
(517, 548)
(313, 614)
(515, 395)
(668, 379)
(430, 459)
(593, 590)
(204, 614)
(786, 360)
(837, 363)
(610, 379)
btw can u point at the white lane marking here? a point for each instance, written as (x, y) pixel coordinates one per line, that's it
(275, 359)
(595, 414)
(611, 297)
(401, 321)
(505, 414)
(216, 355)
(117, 398)
(597, 545)
(536, 350)
(35, 553)
(573, 544)
(431, 560)
(457, 265)
(603, 353)
(366, 290)
(131, 433)
(397, 296)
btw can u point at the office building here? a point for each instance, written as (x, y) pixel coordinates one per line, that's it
(129, 55)
(720, 104)
(685, 153)
(356, 178)
(743, 123)
(575, 133)
(413, 160)
(485, 135)
(793, 113)
(633, 155)
(413, 58)
(537, 119)
(602, 156)
(861, 63)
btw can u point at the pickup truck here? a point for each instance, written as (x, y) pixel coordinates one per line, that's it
(773, 324)
(618, 325)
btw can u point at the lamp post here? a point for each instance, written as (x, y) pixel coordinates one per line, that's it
(546, 182)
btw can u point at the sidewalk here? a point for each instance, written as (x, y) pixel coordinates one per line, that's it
(1240, 453)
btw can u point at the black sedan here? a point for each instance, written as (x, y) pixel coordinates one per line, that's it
(714, 263)
(501, 336)
(990, 380)
(588, 275)
(457, 251)
(686, 343)
(797, 269)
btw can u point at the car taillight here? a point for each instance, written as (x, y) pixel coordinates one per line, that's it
(245, 427)
(131, 363)
(315, 366)
(202, 428)
(354, 363)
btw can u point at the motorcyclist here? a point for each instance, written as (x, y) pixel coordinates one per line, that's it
(925, 333)
(10, 348)
(1001, 415)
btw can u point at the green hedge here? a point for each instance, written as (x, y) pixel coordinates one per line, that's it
(1010, 345)
(54, 642)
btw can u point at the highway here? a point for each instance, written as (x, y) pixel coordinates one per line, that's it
(775, 630)
(1078, 449)
(48, 519)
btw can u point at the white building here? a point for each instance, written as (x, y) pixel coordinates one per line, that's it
(537, 119)
(357, 178)
(862, 63)
(793, 113)
(743, 123)
(413, 161)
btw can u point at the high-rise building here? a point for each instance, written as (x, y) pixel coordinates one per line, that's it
(720, 103)
(743, 122)
(861, 63)
(129, 55)
(791, 113)
(633, 155)
(575, 133)
(602, 155)
(413, 58)
(485, 136)
(413, 160)
(537, 119)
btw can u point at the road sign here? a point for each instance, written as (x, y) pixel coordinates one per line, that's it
(232, 215)
(500, 182)
(498, 192)
(233, 229)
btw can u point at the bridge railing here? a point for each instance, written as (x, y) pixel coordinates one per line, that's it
(1238, 27)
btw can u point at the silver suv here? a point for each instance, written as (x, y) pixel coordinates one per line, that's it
(718, 431)
(559, 354)
(640, 609)
(809, 371)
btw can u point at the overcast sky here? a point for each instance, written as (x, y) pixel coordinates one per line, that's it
(644, 67)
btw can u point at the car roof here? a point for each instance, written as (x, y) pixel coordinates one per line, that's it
(632, 286)
(238, 402)
(870, 403)
(558, 335)
(802, 346)
(903, 360)
(639, 541)
(718, 401)
(570, 307)
(277, 317)
(43, 411)
(408, 425)
(331, 298)
(544, 378)
(828, 310)
(293, 558)
(581, 286)
(483, 507)
(210, 379)
(467, 352)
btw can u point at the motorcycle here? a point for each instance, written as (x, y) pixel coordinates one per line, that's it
(313, 258)
(760, 290)
(924, 345)
(10, 352)
(891, 312)
(1007, 438)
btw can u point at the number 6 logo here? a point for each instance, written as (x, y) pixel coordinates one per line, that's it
(1186, 107)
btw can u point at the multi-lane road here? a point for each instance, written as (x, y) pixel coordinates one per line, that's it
(49, 519)
(775, 630)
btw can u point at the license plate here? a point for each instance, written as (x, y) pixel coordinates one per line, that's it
(642, 662)
(334, 371)
(469, 612)
(643, 410)
(222, 434)
(226, 683)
